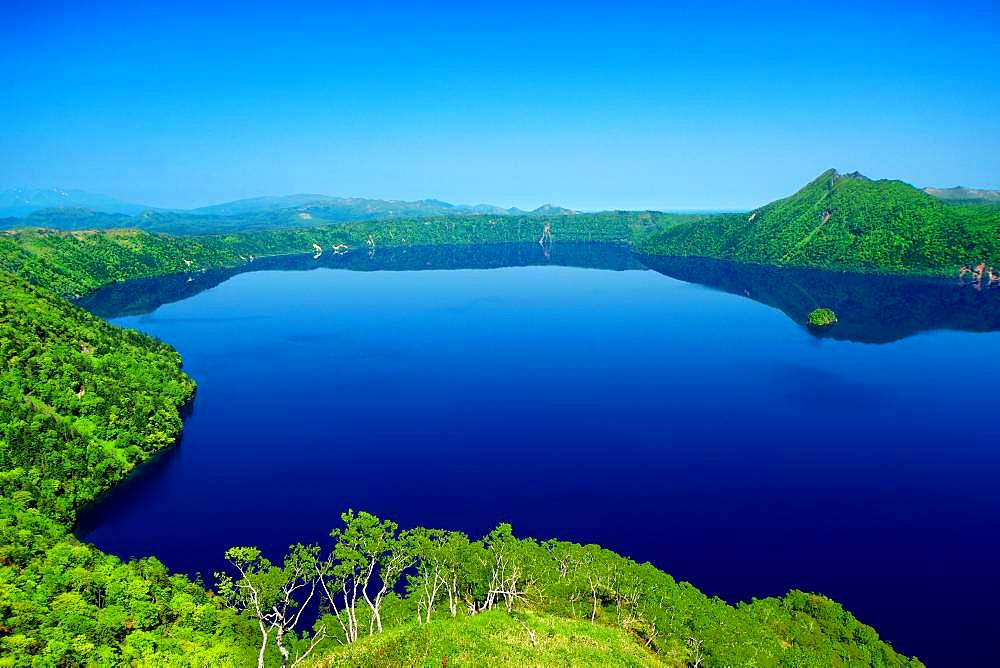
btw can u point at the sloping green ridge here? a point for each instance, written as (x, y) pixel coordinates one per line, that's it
(845, 222)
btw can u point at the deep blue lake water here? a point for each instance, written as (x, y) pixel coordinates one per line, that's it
(586, 397)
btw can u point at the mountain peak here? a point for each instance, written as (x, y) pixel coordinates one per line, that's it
(552, 209)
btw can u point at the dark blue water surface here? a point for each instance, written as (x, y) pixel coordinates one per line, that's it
(699, 427)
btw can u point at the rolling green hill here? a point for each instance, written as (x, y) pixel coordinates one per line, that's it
(845, 222)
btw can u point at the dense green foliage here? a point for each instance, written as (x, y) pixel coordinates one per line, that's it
(845, 222)
(821, 317)
(63, 603)
(318, 216)
(82, 401)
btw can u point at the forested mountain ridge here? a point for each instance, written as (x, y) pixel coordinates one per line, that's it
(83, 401)
(27, 201)
(845, 222)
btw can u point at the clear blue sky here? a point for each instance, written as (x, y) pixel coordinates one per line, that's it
(691, 105)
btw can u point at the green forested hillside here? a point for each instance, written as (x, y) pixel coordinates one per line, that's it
(63, 603)
(81, 403)
(179, 223)
(845, 222)
(73, 263)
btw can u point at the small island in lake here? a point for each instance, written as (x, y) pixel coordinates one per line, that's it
(822, 317)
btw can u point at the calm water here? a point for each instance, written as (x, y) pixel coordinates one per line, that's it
(586, 397)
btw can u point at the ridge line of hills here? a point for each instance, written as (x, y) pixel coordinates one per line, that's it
(23, 202)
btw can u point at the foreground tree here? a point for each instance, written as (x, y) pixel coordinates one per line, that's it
(367, 551)
(440, 559)
(270, 594)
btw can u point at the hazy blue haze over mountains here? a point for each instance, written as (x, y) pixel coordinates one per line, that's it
(78, 209)
(21, 202)
(24, 201)
(960, 193)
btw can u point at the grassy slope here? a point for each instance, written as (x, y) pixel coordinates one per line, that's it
(497, 639)
(845, 222)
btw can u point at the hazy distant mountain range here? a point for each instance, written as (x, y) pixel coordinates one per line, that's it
(959, 193)
(21, 202)
(77, 204)
(25, 201)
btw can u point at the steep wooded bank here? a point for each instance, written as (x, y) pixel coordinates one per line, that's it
(82, 403)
